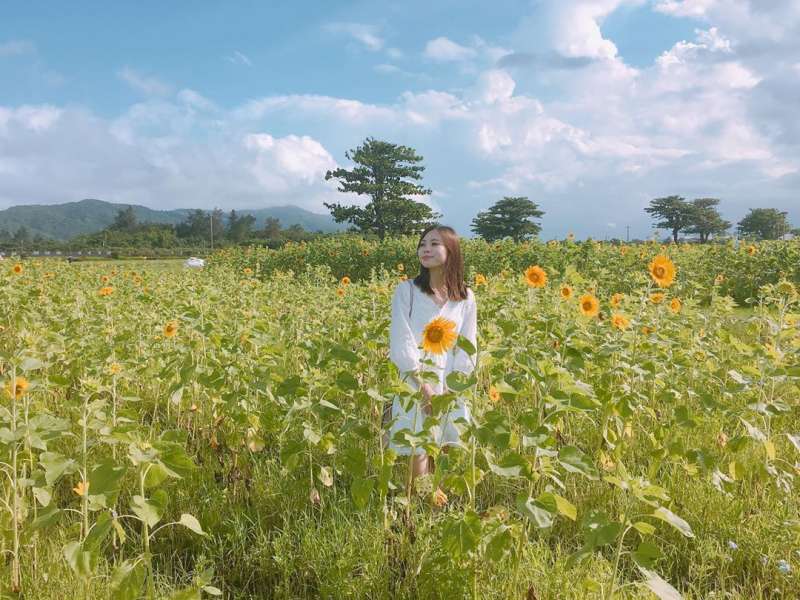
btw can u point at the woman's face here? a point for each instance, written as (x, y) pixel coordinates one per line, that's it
(431, 250)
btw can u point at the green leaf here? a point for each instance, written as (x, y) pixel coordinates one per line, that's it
(500, 544)
(536, 513)
(466, 345)
(31, 364)
(458, 382)
(342, 353)
(361, 490)
(98, 532)
(658, 586)
(644, 528)
(150, 511)
(511, 465)
(105, 479)
(81, 562)
(555, 503)
(345, 381)
(192, 523)
(189, 593)
(795, 439)
(646, 554)
(46, 517)
(667, 515)
(55, 465)
(174, 457)
(127, 580)
(461, 536)
(575, 461)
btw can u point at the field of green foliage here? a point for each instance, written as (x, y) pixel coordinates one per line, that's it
(176, 433)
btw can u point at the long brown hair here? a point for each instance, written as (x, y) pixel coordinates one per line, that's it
(453, 265)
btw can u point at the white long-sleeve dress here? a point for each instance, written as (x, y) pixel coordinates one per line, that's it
(409, 318)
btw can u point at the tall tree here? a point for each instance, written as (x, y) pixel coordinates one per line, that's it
(239, 227)
(509, 217)
(764, 224)
(387, 174)
(675, 214)
(125, 220)
(705, 219)
(272, 228)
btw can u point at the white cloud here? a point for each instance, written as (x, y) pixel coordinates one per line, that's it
(366, 35)
(149, 86)
(239, 58)
(281, 163)
(16, 48)
(443, 49)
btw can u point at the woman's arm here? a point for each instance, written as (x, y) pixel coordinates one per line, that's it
(403, 350)
(462, 361)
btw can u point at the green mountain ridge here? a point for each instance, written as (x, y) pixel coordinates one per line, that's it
(64, 221)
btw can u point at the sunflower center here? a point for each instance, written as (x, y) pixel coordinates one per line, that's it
(435, 334)
(659, 271)
(587, 305)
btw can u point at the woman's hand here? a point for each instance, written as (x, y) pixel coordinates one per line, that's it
(427, 394)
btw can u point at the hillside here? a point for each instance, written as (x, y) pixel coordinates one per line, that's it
(64, 221)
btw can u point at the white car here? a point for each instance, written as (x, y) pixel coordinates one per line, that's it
(194, 263)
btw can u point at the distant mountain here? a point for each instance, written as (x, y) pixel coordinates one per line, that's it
(64, 221)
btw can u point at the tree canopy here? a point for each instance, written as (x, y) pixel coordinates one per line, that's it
(764, 224)
(387, 173)
(705, 219)
(674, 213)
(509, 217)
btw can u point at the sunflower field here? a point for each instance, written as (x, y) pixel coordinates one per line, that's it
(176, 433)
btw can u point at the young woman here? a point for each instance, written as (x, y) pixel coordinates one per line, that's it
(438, 291)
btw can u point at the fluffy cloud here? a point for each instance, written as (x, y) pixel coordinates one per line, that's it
(443, 49)
(149, 86)
(366, 35)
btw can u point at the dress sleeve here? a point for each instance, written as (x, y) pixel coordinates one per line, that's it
(403, 350)
(469, 329)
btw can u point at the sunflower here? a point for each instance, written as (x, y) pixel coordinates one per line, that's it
(662, 270)
(494, 395)
(675, 305)
(82, 488)
(115, 368)
(19, 387)
(439, 336)
(647, 330)
(719, 279)
(345, 280)
(590, 306)
(480, 280)
(623, 250)
(657, 298)
(535, 276)
(619, 321)
(104, 279)
(616, 300)
(340, 292)
(17, 269)
(106, 290)
(170, 329)
(566, 292)
(751, 249)
(247, 271)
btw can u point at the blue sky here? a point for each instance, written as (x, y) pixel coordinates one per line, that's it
(588, 107)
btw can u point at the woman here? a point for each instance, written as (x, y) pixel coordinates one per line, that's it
(438, 291)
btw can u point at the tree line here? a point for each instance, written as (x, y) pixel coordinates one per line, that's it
(390, 175)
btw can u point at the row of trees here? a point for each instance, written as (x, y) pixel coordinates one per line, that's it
(388, 173)
(212, 228)
(701, 217)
